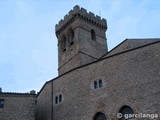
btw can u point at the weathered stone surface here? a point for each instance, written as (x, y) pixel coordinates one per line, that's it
(18, 106)
(85, 49)
(130, 76)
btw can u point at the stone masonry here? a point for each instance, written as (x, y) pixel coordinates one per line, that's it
(18, 106)
(130, 78)
(84, 27)
(93, 83)
(129, 74)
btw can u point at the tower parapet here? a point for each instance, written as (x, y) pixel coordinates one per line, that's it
(82, 14)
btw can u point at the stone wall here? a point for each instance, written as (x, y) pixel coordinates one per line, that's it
(44, 103)
(130, 78)
(18, 106)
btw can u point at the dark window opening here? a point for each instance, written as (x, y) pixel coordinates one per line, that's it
(64, 50)
(126, 110)
(99, 116)
(95, 85)
(60, 98)
(71, 43)
(1, 103)
(93, 35)
(56, 100)
(63, 43)
(100, 83)
(71, 37)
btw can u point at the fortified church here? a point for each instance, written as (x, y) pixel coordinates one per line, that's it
(93, 83)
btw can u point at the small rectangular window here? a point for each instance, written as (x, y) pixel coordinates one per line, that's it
(1, 103)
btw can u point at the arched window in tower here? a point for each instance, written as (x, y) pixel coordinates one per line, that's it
(93, 35)
(60, 98)
(95, 85)
(126, 110)
(71, 37)
(99, 116)
(56, 100)
(100, 83)
(63, 43)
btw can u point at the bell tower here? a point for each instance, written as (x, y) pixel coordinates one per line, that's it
(81, 39)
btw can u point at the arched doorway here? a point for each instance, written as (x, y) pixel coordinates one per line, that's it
(126, 110)
(99, 116)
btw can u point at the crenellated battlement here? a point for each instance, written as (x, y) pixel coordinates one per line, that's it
(82, 14)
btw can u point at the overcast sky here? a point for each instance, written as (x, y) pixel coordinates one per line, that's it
(28, 44)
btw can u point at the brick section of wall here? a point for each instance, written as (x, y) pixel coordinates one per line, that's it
(18, 106)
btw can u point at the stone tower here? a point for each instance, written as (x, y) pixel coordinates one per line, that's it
(81, 39)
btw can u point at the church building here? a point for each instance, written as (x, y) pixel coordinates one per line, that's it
(93, 83)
